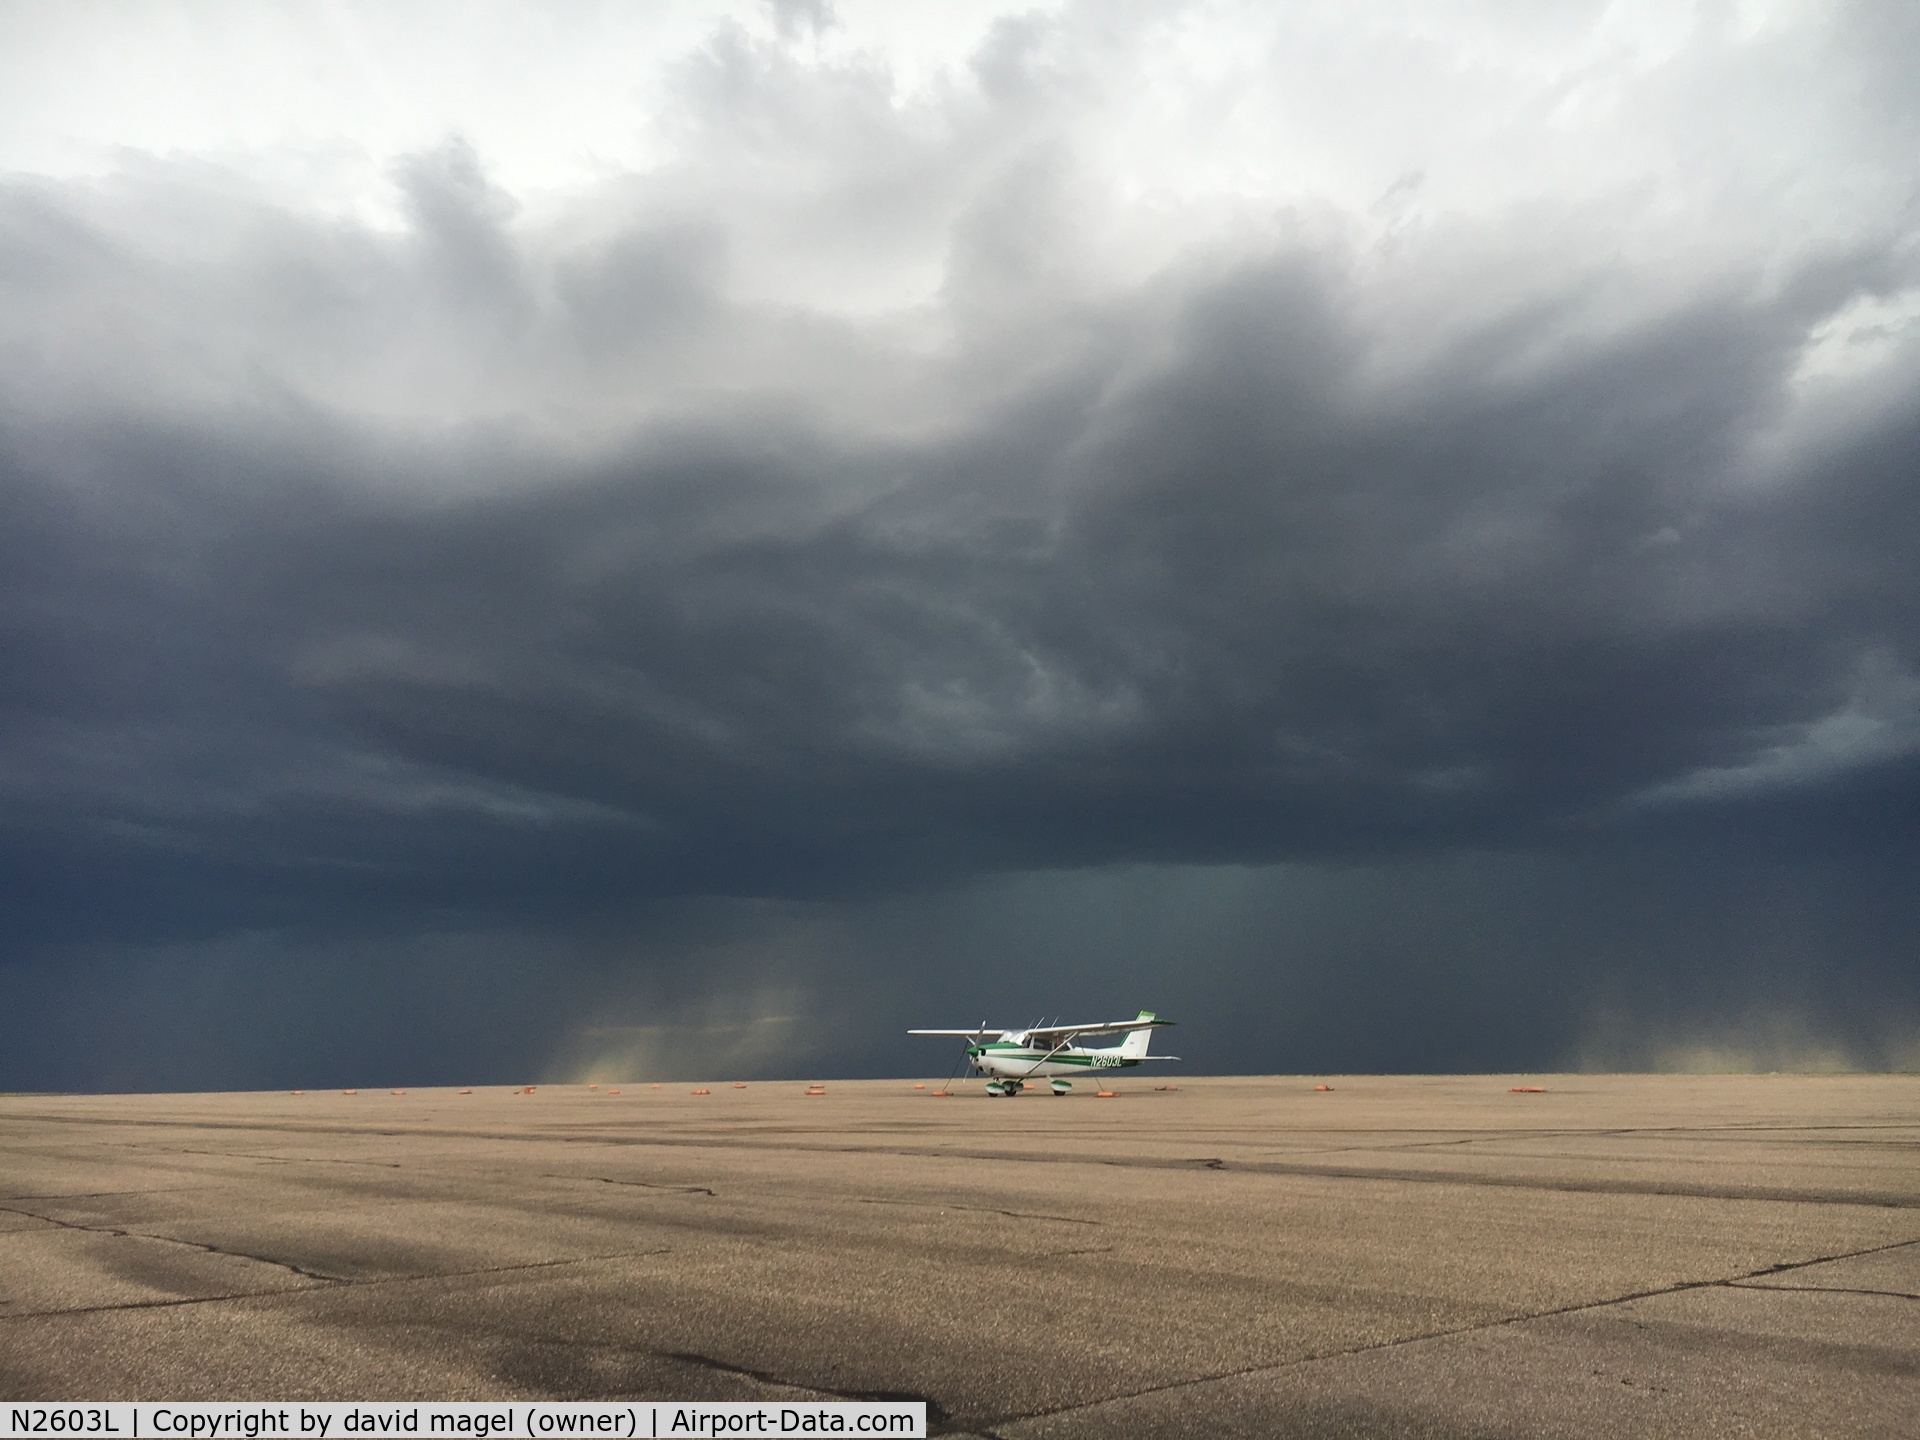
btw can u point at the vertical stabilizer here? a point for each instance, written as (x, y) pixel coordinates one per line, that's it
(1137, 1041)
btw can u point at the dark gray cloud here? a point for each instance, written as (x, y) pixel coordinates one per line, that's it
(555, 610)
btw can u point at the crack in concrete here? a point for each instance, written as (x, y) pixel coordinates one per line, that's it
(163, 1304)
(1745, 1136)
(724, 1367)
(332, 1285)
(1822, 1290)
(1771, 1194)
(1475, 1139)
(175, 1240)
(1679, 1288)
(979, 1210)
(110, 1194)
(637, 1184)
(285, 1159)
(935, 1415)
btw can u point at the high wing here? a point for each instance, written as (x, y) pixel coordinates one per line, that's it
(1055, 1037)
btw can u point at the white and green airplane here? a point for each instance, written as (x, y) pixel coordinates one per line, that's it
(1053, 1052)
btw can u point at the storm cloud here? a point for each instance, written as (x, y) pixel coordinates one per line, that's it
(1394, 541)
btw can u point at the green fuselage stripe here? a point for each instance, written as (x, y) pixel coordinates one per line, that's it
(1109, 1060)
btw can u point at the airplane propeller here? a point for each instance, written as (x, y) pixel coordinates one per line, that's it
(966, 1060)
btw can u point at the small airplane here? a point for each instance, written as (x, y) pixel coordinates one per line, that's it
(1053, 1051)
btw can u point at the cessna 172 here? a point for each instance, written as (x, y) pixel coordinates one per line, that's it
(1053, 1051)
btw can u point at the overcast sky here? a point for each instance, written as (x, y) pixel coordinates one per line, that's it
(680, 540)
